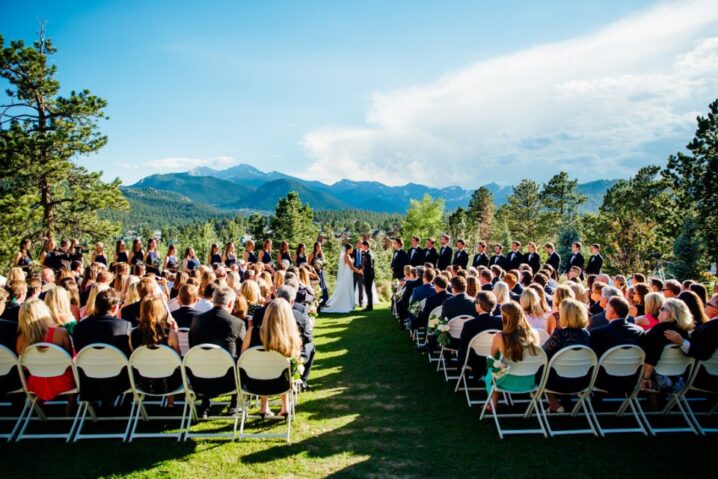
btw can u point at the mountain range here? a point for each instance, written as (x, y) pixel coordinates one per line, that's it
(244, 187)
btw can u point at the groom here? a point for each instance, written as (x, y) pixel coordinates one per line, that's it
(368, 272)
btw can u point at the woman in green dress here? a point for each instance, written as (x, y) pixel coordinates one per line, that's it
(515, 339)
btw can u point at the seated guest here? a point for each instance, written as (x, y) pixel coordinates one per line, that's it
(515, 289)
(656, 285)
(485, 279)
(426, 289)
(695, 306)
(485, 304)
(674, 316)
(278, 333)
(703, 342)
(305, 323)
(131, 312)
(638, 299)
(184, 316)
(501, 291)
(595, 298)
(560, 294)
(599, 320)
(205, 302)
(653, 305)
(17, 292)
(104, 326)
(618, 331)
(701, 291)
(433, 302)
(460, 303)
(409, 286)
(511, 344)
(35, 325)
(57, 300)
(573, 319)
(536, 315)
(8, 329)
(671, 288)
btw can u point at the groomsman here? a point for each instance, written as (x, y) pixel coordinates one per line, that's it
(480, 258)
(461, 257)
(575, 258)
(399, 260)
(430, 254)
(532, 258)
(416, 254)
(445, 253)
(595, 262)
(358, 277)
(515, 257)
(554, 259)
(498, 259)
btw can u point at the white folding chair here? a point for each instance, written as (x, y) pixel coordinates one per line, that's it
(543, 336)
(44, 360)
(10, 384)
(436, 312)
(395, 301)
(578, 364)
(264, 373)
(183, 338)
(673, 363)
(529, 366)
(707, 372)
(418, 332)
(208, 369)
(481, 346)
(101, 367)
(619, 371)
(148, 363)
(456, 324)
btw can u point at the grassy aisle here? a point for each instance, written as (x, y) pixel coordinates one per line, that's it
(376, 409)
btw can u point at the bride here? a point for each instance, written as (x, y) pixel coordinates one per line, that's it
(343, 299)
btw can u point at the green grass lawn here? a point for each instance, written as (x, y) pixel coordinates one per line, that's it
(376, 409)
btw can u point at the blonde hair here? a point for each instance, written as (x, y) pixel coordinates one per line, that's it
(304, 276)
(679, 313)
(279, 330)
(573, 314)
(561, 293)
(579, 292)
(233, 280)
(15, 274)
(250, 290)
(57, 300)
(542, 296)
(654, 302)
(501, 290)
(94, 291)
(133, 291)
(34, 320)
(153, 320)
(278, 280)
(531, 303)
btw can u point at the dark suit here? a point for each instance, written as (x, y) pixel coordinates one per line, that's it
(498, 260)
(403, 304)
(431, 256)
(615, 333)
(184, 316)
(11, 313)
(398, 261)
(554, 260)
(516, 292)
(305, 295)
(483, 322)
(514, 260)
(458, 305)
(305, 323)
(595, 263)
(533, 260)
(8, 334)
(480, 259)
(704, 340)
(105, 329)
(432, 302)
(575, 259)
(217, 326)
(131, 313)
(422, 292)
(445, 255)
(416, 256)
(358, 278)
(368, 269)
(461, 258)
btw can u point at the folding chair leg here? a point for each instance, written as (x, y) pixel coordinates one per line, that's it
(20, 421)
(33, 403)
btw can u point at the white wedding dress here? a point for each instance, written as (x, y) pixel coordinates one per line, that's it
(343, 300)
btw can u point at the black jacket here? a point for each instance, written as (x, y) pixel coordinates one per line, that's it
(431, 256)
(533, 260)
(554, 260)
(184, 316)
(615, 333)
(498, 260)
(575, 259)
(11, 313)
(416, 256)
(704, 340)
(461, 258)
(432, 302)
(595, 263)
(514, 259)
(483, 322)
(480, 259)
(105, 329)
(8, 334)
(217, 326)
(398, 261)
(458, 305)
(445, 256)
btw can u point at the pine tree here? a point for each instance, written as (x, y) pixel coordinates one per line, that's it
(41, 134)
(523, 212)
(457, 224)
(293, 221)
(424, 218)
(561, 200)
(688, 262)
(480, 215)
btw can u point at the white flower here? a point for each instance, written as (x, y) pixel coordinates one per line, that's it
(300, 369)
(433, 322)
(443, 328)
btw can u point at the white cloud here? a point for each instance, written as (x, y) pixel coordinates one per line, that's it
(178, 163)
(598, 106)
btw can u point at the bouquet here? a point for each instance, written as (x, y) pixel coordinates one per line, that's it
(297, 368)
(497, 366)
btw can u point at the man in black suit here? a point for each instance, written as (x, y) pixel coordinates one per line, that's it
(356, 255)
(532, 258)
(485, 304)
(486, 280)
(185, 314)
(703, 341)
(445, 253)
(8, 329)
(515, 256)
(17, 290)
(461, 257)
(480, 258)
(430, 254)
(104, 326)
(368, 272)
(498, 259)
(515, 288)
(575, 258)
(415, 253)
(595, 262)
(460, 303)
(398, 261)
(554, 259)
(420, 293)
(433, 302)
(618, 331)
(599, 320)
(409, 287)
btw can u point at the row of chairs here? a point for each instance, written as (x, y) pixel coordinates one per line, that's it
(151, 375)
(615, 377)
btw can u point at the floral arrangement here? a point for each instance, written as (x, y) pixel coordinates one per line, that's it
(313, 307)
(497, 366)
(439, 326)
(297, 368)
(415, 309)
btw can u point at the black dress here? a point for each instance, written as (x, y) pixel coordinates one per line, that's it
(100, 258)
(122, 257)
(251, 257)
(137, 257)
(267, 258)
(25, 262)
(230, 261)
(301, 259)
(215, 259)
(153, 262)
(286, 257)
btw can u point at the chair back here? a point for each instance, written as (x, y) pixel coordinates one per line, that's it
(456, 324)
(481, 343)
(183, 338)
(100, 361)
(45, 360)
(529, 365)
(435, 312)
(574, 362)
(9, 379)
(673, 362)
(155, 361)
(422, 304)
(208, 361)
(264, 372)
(622, 360)
(543, 336)
(711, 364)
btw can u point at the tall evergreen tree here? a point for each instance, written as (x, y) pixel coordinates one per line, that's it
(293, 221)
(523, 212)
(561, 199)
(41, 134)
(424, 218)
(457, 224)
(687, 262)
(480, 214)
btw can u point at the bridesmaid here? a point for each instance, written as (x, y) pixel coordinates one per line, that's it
(215, 255)
(170, 263)
(138, 254)
(250, 257)
(301, 255)
(230, 258)
(190, 261)
(316, 260)
(283, 254)
(152, 257)
(23, 258)
(98, 255)
(47, 256)
(120, 255)
(267, 255)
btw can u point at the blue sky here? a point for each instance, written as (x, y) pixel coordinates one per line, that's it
(433, 92)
